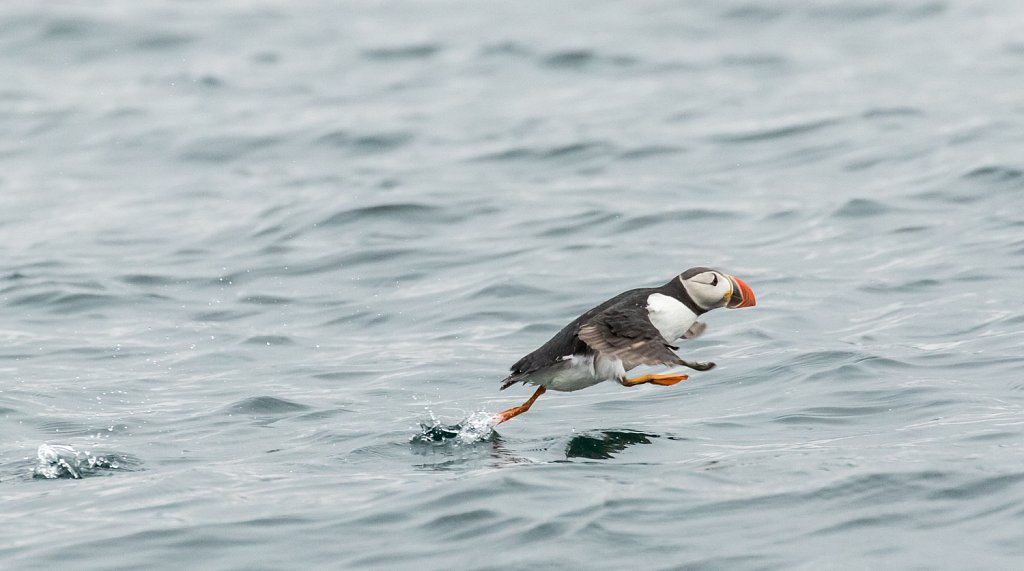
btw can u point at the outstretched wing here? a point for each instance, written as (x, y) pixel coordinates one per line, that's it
(625, 332)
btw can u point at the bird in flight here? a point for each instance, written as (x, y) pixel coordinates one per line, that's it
(634, 328)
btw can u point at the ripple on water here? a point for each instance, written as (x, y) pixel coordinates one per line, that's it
(788, 128)
(572, 223)
(832, 415)
(62, 303)
(163, 41)
(815, 361)
(984, 487)
(645, 222)
(763, 61)
(147, 279)
(585, 58)
(861, 208)
(365, 143)
(578, 151)
(265, 405)
(269, 340)
(995, 174)
(223, 315)
(649, 151)
(403, 52)
(508, 289)
(72, 428)
(754, 13)
(265, 299)
(402, 211)
(227, 148)
(891, 112)
(363, 256)
(891, 286)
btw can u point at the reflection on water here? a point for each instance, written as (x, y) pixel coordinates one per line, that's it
(606, 445)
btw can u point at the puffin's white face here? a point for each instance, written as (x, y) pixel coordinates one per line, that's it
(711, 289)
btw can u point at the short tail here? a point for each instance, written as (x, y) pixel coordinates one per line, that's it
(510, 380)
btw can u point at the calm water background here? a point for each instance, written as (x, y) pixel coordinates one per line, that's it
(248, 248)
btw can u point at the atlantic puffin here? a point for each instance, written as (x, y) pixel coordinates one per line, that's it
(634, 328)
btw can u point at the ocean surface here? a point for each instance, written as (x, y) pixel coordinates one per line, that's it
(262, 265)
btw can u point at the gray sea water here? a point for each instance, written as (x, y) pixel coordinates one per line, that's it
(263, 263)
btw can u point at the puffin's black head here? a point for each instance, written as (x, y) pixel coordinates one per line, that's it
(710, 289)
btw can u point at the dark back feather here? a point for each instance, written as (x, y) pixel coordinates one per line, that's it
(567, 341)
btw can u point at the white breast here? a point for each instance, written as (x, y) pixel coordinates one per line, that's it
(669, 316)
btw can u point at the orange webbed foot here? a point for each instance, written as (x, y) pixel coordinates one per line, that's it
(662, 380)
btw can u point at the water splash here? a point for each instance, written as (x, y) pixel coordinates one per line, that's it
(477, 427)
(60, 461)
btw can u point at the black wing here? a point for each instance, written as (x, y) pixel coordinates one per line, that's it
(618, 327)
(567, 341)
(625, 332)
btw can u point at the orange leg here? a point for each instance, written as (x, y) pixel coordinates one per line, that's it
(517, 410)
(663, 380)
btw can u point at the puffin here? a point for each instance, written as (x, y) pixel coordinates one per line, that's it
(636, 327)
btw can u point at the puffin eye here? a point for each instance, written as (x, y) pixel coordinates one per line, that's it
(714, 280)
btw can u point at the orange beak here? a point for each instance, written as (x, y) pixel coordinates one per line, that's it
(742, 295)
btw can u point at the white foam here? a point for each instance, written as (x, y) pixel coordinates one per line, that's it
(478, 426)
(61, 461)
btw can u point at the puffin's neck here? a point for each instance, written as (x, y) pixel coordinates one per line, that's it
(675, 289)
